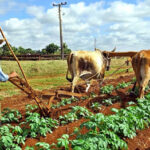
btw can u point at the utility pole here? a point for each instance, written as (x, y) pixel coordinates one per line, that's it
(95, 43)
(60, 27)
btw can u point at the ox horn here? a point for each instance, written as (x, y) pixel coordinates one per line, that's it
(1, 41)
(114, 49)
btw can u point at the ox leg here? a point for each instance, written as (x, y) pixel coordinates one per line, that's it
(145, 76)
(149, 83)
(88, 86)
(142, 87)
(133, 89)
(74, 82)
(101, 79)
(141, 92)
(100, 83)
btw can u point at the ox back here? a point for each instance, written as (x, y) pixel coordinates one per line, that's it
(141, 67)
(85, 65)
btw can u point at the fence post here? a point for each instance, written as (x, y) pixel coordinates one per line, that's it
(127, 62)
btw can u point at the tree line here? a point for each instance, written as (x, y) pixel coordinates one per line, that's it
(49, 49)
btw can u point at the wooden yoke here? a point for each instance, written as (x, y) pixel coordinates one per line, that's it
(122, 54)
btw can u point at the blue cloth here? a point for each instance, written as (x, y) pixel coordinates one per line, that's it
(3, 77)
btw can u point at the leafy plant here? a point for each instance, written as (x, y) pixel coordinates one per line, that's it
(30, 107)
(110, 101)
(11, 137)
(80, 111)
(96, 106)
(84, 97)
(92, 95)
(105, 132)
(131, 103)
(64, 102)
(123, 85)
(107, 89)
(70, 117)
(29, 148)
(39, 125)
(63, 142)
(10, 115)
(98, 140)
(40, 146)
(76, 113)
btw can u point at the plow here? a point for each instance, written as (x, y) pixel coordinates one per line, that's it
(24, 86)
(32, 94)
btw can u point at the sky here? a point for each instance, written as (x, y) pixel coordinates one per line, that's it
(34, 24)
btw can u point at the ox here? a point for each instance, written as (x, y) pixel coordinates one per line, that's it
(141, 67)
(87, 65)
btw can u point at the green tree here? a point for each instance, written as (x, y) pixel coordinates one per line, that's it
(51, 48)
(5, 50)
(44, 51)
(66, 49)
(1, 51)
(30, 51)
(21, 50)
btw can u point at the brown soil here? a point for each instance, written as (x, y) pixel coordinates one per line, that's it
(140, 142)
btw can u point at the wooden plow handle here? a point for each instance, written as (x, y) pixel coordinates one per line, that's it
(21, 84)
(4, 38)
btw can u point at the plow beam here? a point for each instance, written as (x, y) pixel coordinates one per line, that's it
(60, 92)
(22, 85)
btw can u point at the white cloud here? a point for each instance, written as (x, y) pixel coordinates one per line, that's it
(122, 24)
(35, 11)
(6, 6)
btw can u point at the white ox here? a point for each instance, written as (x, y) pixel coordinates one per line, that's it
(87, 65)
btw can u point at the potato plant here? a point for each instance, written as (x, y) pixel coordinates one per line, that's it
(11, 137)
(107, 89)
(64, 102)
(96, 106)
(76, 113)
(10, 115)
(40, 146)
(106, 132)
(110, 101)
(39, 125)
(123, 85)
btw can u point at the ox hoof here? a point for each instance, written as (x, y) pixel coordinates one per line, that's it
(132, 93)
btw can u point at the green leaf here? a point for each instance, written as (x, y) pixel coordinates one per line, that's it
(115, 110)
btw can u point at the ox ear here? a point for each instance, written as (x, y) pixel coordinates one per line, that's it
(1, 41)
(114, 49)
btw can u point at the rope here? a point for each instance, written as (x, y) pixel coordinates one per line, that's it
(108, 76)
(117, 69)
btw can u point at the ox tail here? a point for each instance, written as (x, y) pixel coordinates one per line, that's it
(69, 61)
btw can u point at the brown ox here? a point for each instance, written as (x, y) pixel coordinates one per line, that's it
(141, 67)
(87, 65)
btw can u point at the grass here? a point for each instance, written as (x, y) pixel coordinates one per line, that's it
(44, 74)
(36, 68)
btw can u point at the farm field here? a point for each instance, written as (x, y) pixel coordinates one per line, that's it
(50, 73)
(108, 118)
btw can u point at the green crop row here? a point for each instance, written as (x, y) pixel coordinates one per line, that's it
(108, 132)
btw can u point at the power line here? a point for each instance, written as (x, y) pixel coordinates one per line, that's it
(60, 26)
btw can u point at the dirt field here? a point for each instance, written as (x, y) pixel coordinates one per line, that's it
(140, 142)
